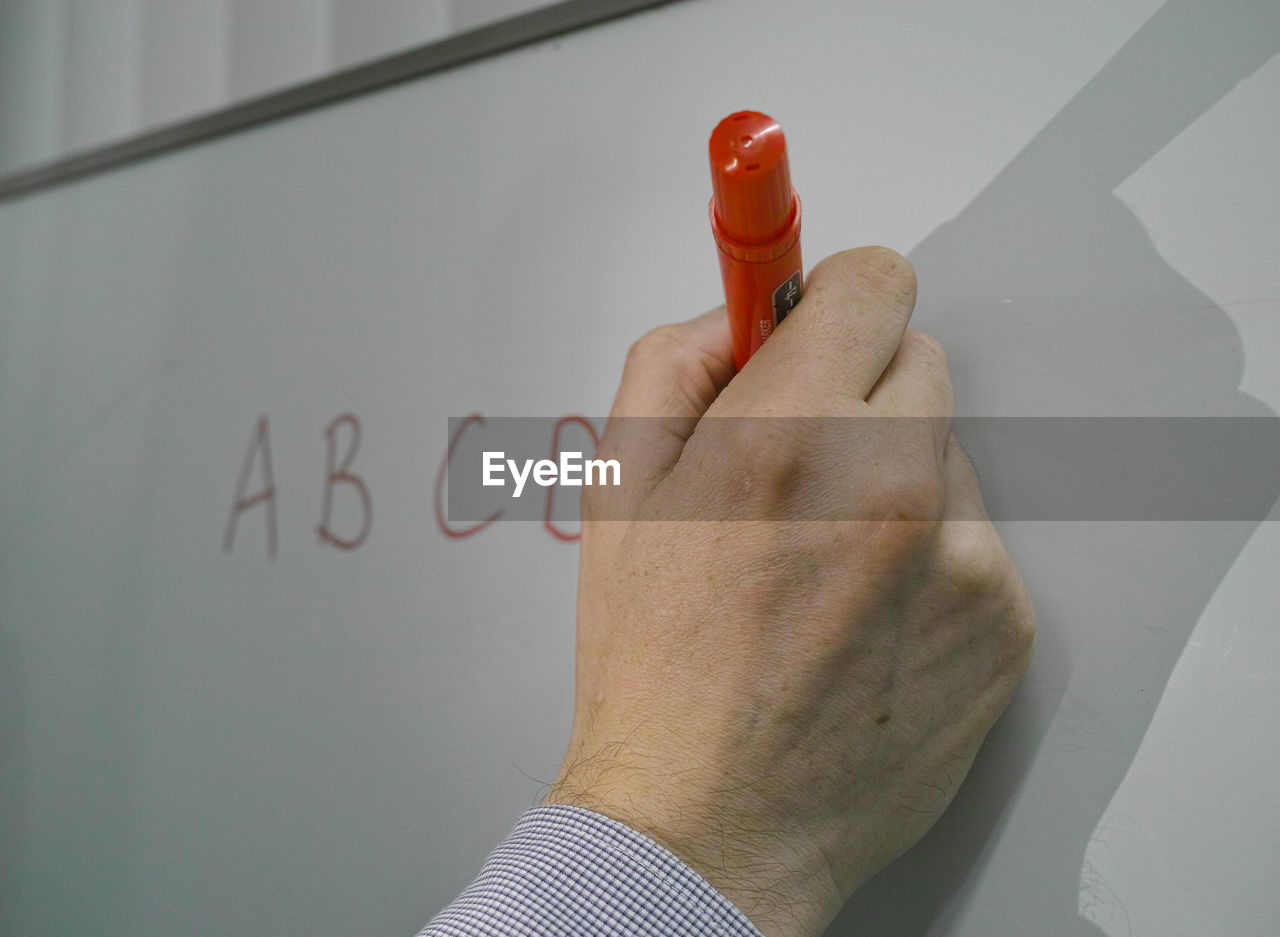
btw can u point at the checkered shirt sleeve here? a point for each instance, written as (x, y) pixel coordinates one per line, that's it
(570, 872)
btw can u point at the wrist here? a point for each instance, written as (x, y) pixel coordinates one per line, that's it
(764, 873)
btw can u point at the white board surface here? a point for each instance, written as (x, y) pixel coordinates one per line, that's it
(204, 741)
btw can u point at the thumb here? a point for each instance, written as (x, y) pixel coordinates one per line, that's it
(672, 375)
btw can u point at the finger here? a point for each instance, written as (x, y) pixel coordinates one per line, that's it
(677, 370)
(828, 354)
(915, 390)
(672, 375)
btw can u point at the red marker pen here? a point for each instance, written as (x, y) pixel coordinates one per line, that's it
(755, 217)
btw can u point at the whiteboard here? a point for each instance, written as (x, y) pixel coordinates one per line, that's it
(328, 740)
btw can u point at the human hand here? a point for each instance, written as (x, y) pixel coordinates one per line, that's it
(788, 705)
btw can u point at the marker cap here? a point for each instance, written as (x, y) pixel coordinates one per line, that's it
(754, 209)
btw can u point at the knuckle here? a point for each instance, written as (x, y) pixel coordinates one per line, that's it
(655, 345)
(912, 491)
(975, 562)
(670, 365)
(764, 461)
(925, 362)
(984, 580)
(926, 347)
(761, 454)
(900, 541)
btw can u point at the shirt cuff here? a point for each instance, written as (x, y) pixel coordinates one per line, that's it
(568, 871)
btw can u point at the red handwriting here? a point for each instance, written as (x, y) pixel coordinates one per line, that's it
(338, 472)
(261, 442)
(457, 533)
(343, 474)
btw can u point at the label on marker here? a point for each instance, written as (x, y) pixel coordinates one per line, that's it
(785, 297)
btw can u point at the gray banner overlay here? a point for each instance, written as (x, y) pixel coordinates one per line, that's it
(785, 468)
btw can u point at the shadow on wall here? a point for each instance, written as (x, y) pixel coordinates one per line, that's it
(1047, 258)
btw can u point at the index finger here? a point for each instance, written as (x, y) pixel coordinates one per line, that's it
(827, 355)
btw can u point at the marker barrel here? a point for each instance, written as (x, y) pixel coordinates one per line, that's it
(758, 295)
